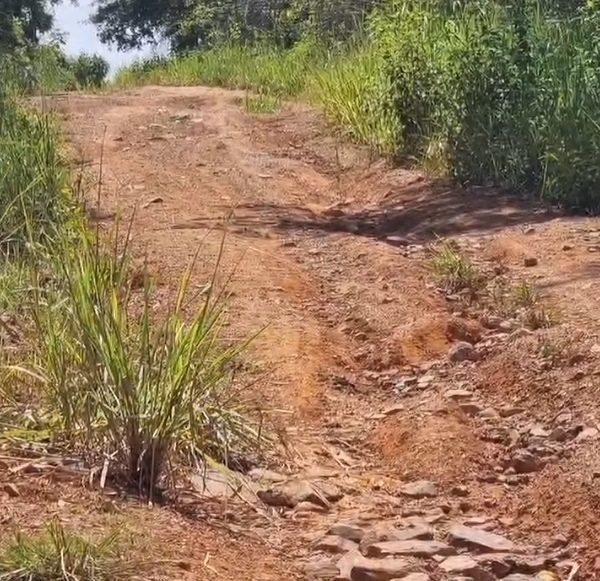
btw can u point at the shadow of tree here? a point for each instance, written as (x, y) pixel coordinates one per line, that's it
(417, 212)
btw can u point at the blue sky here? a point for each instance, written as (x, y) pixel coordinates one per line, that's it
(73, 20)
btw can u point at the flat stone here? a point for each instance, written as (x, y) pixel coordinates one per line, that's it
(462, 351)
(330, 491)
(11, 490)
(471, 408)
(538, 431)
(520, 577)
(307, 507)
(457, 394)
(348, 531)
(385, 533)
(460, 491)
(501, 564)
(466, 566)
(414, 548)
(293, 493)
(587, 435)
(380, 569)
(397, 240)
(498, 563)
(461, 535)
(489, 413)
(530, 261)
(335, 544)
(559, 435)
(419, 489)
(346, 563)
(266, 475)
(321, 568)
(510, 411)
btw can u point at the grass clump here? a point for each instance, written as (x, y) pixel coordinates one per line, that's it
(119, 380)
(453, 270)
(143, 389)
(60, 555)
(354, 92)
(261, 103)
(34, 193)
(263, 69)
(524, 302)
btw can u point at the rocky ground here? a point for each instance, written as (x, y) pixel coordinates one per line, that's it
(429, 433)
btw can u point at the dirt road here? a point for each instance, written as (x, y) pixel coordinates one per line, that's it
(328, 244)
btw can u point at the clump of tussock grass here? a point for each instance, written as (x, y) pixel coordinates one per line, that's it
(453, 270)
(524, 302)
(147, 390)
(262, 69)
(58, 554)
(261, 103)
(34, 193)
(353, 91)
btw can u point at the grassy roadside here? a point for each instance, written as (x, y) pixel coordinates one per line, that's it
(88, 357)
(489, 93)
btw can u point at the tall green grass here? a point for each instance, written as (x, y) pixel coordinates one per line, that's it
(493, 93)
(144, 389)
(34, 194)
(282, 73)
(512, 95)
(116, 379)
(61, 555)
(354, 93)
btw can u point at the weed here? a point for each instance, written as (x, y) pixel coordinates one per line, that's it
(454, 271)
(60, 555)
(523, 301)
(525, 295)
(353, 92)
(261, 103)
(540, 317)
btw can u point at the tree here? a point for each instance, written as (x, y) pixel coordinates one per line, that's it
(23, 21)
(193, 23)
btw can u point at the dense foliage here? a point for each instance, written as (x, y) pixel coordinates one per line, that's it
(23, 21)
(209, 23)
(492, 92)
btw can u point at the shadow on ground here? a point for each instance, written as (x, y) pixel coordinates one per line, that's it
(418, 212)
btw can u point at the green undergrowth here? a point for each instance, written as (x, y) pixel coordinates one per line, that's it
(58, 554)
(491, 93)
(90, 359)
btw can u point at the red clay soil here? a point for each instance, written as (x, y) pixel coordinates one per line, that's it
(328, 249)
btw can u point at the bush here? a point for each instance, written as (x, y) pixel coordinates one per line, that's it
(512, 93)
(89, 70)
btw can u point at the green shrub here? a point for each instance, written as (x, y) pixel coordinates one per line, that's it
(355, 93)
(512, 92)
(89, 70)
